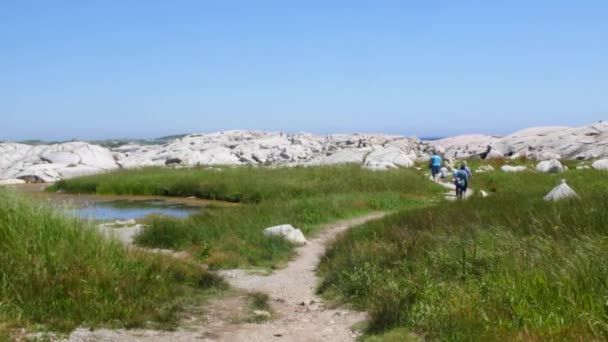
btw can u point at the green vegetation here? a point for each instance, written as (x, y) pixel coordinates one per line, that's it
(227, 237)
(507, 267)
(57, 273)
(258, 301)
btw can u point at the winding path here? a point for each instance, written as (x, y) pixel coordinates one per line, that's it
(300, 314)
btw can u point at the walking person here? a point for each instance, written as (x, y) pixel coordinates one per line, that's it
(435, 165)
(461, 180)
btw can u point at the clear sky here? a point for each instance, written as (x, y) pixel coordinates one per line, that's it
(105, 69)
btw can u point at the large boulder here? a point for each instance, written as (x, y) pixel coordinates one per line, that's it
(386, 158)
(550, 166)
(288, 232)
(345, 156)
(601, 164)
(494, 154)
(61, 157)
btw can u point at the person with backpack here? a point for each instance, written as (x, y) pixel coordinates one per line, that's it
(435, 165)
(461, 180)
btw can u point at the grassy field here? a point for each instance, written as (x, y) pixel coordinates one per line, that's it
(232, 237)
(57, 273)
(507, 267)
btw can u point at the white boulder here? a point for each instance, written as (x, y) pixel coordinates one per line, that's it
(12, 181)
(288, 232)
(510, 168)
(601, 164)
(386, 158)
(550, 166)
(560, 192)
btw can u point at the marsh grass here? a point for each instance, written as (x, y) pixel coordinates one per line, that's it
(57, 272)
(232, 237)
(507, 267)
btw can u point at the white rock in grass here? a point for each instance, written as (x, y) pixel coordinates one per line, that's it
(11, 181)
(550, 166)
(509, 168)
(601, 164)
(288, 232)
(483, 194)
(562, 191)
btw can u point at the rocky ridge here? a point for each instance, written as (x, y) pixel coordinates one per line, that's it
(47, 163)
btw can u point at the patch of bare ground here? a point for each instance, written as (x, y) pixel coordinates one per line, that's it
(296, 312)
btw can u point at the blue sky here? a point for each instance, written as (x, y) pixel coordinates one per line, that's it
(88, 70)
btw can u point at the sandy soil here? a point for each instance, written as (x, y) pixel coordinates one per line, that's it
(299, 314)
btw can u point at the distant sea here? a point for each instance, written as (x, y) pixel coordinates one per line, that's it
(431, 138)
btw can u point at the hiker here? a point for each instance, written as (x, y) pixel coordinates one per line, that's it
(435, 165)
(461, 180)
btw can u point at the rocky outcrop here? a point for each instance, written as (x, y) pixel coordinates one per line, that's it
(543, 143)
(48, 163)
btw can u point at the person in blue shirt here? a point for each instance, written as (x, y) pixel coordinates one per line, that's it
(461, 180)
(435, 164)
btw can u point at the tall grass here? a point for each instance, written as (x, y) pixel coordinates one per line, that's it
(232, 237)
(58, 272)
(246, 184)
(507, 267)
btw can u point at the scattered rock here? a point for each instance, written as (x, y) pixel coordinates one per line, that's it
(483, 193)
(486, 168)
(562, 191)
(510, 168)
(288, 232)
(550, 166)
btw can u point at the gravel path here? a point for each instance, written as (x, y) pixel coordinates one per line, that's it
(300, 314)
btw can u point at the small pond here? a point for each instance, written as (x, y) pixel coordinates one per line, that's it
(127, 209)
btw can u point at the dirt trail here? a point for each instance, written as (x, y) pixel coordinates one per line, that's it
(300, 315)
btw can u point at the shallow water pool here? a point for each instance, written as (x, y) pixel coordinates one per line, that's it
(124, 210)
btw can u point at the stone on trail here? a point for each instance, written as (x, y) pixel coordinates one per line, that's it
(288, 232)
(562, 191)
(262, 313)
(550, 166)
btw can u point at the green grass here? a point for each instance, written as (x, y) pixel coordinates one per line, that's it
(507, 267)
(57, 273)
(228, 237)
